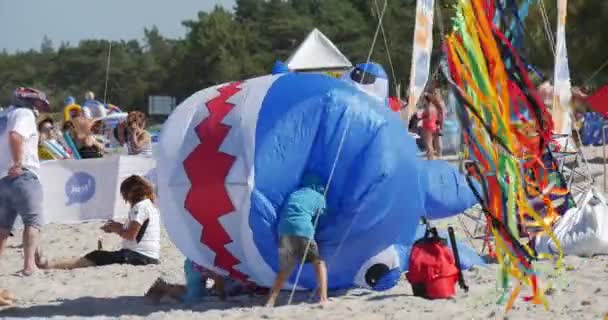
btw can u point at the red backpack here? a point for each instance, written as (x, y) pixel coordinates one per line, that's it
(433, 270)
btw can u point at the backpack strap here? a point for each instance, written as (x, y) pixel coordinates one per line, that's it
(142, 231)
(461, 282)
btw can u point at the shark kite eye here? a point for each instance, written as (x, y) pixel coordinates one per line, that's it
(372, 272)
(375, 273)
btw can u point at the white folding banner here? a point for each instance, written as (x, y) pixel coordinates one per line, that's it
(79, 190)
(76, 191)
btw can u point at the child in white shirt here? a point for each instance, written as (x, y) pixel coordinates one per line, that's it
(140, 233)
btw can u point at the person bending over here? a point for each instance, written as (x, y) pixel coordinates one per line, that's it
(195, 289)
(140, 233)
(296, 233)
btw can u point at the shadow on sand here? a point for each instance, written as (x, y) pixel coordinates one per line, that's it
(137, 306)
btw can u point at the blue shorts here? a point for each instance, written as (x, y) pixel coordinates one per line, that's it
(20, 196)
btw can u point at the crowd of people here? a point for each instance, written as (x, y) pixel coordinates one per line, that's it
(82, 136)
(24, 141)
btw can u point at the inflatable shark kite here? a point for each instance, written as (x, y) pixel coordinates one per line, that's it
(230, 155)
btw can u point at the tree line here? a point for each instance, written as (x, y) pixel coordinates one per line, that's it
(223, 45)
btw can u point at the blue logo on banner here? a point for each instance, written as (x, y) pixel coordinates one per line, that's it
(80, 188)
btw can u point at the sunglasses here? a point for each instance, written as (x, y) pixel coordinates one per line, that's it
(47, 128)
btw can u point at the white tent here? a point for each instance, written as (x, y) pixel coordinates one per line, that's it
(317, 52)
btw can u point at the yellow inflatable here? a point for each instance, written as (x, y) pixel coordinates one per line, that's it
(335, 74)
(69, 111)
(44, 154)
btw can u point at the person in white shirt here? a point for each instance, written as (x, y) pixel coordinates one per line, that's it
(20, 189)
(140, 233)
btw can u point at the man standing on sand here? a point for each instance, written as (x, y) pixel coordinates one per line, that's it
(20, 189)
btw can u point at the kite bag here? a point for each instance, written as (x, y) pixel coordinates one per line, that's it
(433, 270)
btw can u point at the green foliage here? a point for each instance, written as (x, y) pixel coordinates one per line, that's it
(224, 45)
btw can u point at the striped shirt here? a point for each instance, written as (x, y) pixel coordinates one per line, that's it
(146, 149)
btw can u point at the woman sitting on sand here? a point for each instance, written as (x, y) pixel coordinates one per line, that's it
(140, 233)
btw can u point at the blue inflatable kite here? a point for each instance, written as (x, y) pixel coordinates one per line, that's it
(231, 154)
(279, 67)
(370, 78)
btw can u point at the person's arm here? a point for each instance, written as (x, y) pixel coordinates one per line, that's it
(16, 145)
(92, 142)
(133, 225)
(140, 139)
(128, 233)
(121, 133)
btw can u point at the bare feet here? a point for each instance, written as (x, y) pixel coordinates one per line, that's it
(27, 272)
(6, 298)
(219, 287)
(156, 292)
(5, 302)
(271, 302)
(41, 262)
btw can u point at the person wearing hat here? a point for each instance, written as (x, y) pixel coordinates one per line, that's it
(92, 108)
(20, 188)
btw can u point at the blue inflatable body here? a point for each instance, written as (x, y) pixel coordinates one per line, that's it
(230, 155)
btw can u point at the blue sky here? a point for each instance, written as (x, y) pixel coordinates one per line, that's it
(24, 23)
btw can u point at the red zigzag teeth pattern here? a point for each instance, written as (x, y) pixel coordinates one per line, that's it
(207, 168)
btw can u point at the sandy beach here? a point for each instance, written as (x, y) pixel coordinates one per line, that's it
(116, 291)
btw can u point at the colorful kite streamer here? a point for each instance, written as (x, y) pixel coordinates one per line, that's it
(507, 133)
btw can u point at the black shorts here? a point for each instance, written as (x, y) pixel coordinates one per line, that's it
(291, 251)
(123, 256)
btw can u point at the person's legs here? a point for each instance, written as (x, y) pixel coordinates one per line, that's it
(3, 238)
(437, 144)
(313, 256)
(7, 214)
(92, 259)
(219, 286)
(278, 284)
(321, 272)
(67, 264)
(287, 262)
(161, 289)
(30, 246)
(27, 194)
(6, 298)
(427, 137)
